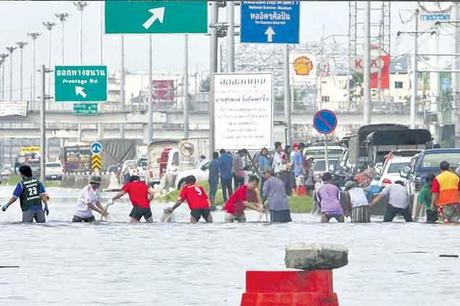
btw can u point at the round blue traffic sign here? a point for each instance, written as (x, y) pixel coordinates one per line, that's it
(325, 121)
(95, 147)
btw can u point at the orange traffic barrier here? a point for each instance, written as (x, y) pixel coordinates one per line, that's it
(289, 288)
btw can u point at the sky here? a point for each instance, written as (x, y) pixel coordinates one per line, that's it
(20, 17)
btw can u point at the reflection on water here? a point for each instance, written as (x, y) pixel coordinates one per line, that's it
(179, 264)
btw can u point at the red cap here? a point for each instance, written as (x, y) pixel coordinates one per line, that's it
(296, 146)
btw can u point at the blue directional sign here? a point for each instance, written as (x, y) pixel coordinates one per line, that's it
(96, 147)
(325, 121)
(272, 22)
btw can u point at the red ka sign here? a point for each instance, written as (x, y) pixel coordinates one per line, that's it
(377, 64)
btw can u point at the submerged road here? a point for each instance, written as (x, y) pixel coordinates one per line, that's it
(61, 263)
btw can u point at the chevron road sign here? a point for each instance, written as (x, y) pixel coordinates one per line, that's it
(96, 162)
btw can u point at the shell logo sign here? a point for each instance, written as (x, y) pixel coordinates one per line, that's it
(303, 65)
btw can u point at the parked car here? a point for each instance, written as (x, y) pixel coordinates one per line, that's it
(5, 173)
(201, 174)
(54, 171)
(319, 167)
(427, 162)
(391, 170)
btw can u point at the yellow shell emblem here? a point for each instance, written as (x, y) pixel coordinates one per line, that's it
(303, 65)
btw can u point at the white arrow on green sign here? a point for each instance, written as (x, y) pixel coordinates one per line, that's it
(80, 83)
(156, 16)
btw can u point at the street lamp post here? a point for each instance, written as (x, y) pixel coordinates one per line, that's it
(11, 50)
(1, 72)
(21, 45)
(33, 36)
(185, 91)
(49, 26)
(122, 84)
(62, 18)
(3, 57)
(80, 5)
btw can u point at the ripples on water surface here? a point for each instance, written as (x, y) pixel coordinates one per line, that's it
(180, 264)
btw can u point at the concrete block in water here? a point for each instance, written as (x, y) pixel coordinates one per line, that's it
(316, 256)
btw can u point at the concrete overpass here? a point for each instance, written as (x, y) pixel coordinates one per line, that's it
(64, 124)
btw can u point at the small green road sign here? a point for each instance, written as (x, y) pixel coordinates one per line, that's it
(156, 16)
(85, 108)
(80, 83)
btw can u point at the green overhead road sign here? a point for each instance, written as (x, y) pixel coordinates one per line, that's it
(156, 16)
(85, 108)
(80, 83)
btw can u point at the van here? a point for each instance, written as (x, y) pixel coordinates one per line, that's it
(427, 162)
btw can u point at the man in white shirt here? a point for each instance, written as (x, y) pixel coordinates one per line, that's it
(279, 164)
(89, 200)
(398, 202)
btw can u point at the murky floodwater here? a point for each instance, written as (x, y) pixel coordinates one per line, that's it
(180, 264)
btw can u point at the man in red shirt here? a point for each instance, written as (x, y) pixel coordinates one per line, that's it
(197, 201)
(140, 196)
(239, 201)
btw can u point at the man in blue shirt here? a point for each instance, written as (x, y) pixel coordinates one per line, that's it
(213, 179)
(298, 164)
(226, 174)
(31, 193)
(264, 163)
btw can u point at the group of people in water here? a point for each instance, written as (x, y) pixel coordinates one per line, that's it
(34, 199)
(439, 196)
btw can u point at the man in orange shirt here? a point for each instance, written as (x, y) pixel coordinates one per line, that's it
(445, 194)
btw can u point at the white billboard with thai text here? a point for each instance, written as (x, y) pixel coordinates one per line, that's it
(243, 111)
(13, 108)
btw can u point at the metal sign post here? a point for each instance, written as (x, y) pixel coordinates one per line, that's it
(325, 122)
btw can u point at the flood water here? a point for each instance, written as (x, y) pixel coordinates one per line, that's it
(180, 264)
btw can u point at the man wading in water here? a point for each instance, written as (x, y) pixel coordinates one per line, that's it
(398, 202)
(239, 201)
(328, 197)
(31, 194)
(197, 201)
(140, 196)
(275, 193)
(89, 200)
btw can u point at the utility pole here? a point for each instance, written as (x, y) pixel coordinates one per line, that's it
(101, 45)
(11, 50)
(62, 18)
(414, 87)
(43, 98)
(100, 127)
(122, 84)
(287, 95)
(231, 36)
(212, 69)
(80, 5)
(49, 26)
(3, 57)
(457, 75)
(185, 90)
(33, 36)
(21, 45)
(149, 97)
(367, 107)
(2, 61)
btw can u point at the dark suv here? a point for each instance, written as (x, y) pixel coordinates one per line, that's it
(427, 162)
